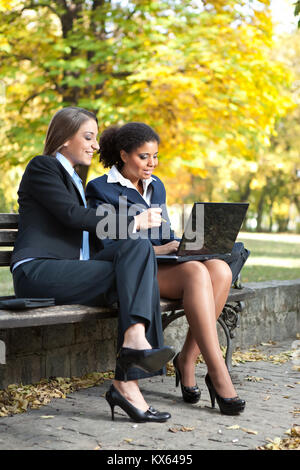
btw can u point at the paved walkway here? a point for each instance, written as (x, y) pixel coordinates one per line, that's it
(82, 420)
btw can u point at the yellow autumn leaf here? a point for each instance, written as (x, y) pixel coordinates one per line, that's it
(173, 430)
(249, 431)
(186, 429)
(294, 431)
(17, 399)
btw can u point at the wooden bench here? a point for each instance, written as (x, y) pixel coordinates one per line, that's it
(55, 315)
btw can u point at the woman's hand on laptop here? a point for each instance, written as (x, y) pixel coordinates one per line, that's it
(167, 249)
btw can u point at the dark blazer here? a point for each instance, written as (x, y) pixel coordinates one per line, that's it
(52, 214)
(99, 191)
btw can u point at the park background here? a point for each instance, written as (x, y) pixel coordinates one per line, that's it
(218, 80)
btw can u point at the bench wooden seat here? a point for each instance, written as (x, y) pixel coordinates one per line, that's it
(62, 314)
(59, 314)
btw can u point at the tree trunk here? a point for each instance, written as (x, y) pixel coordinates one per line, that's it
(246, 190)
(260, 210)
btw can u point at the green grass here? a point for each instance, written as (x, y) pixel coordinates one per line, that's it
(6, 283)
(273, 257)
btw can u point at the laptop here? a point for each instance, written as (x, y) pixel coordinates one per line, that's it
(210, 232)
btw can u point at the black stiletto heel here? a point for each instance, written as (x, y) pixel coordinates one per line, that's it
(189, 394)
(149, 360)
(111, 404)
(212, 397)
(114, 398)
(228, 406)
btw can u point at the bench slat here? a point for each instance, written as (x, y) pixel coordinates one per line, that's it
(53, 315)
(5, 258)
(9, 220)
(7, 238)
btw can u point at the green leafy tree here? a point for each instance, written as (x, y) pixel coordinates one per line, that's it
(297, 11)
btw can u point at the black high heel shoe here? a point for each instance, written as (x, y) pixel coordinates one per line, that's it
(114, 398)
(189, 394)
(228, 406)
(149, 360)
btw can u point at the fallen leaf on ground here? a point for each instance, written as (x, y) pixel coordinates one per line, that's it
(18, 398)
(295, 431)
(182, 429)
(47, 416)
(173, 430)
(186, 429)
(254, 354)
(236, 426)
(249, 431)
(252, 378)
(288, 443)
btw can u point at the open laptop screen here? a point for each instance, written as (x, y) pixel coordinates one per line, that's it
(212, 228)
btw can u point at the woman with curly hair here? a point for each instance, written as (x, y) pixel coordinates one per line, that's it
(131, 153)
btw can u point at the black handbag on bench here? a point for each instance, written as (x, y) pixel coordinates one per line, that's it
(239, 256)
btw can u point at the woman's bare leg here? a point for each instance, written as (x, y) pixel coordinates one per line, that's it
(192, 282)
(220, 275)
(221, 279)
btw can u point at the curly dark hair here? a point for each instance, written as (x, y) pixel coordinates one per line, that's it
(128, 137)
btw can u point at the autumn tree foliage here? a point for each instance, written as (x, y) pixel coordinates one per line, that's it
(200, 72)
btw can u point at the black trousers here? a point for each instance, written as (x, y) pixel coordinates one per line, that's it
(126, 272)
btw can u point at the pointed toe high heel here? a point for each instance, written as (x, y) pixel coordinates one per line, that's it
(189, 394)
(114, 398)
(228, 406)
(149, 360)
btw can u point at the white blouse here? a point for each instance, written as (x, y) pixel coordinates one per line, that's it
(114, 176)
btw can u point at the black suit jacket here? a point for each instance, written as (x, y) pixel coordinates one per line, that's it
(52, 214)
